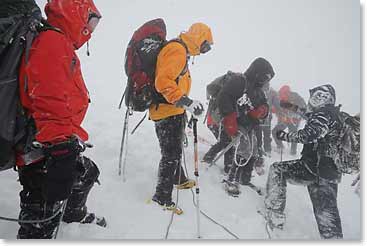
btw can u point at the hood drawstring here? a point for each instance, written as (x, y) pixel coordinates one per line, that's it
(193, 59)
(88, 53)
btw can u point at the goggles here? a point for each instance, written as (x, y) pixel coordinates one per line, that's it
(320, 98)
(205, 47)
(264, 79)
(93, 21)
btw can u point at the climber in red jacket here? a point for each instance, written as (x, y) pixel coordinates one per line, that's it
(55, 98)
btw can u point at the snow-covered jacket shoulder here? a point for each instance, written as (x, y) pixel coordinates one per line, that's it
(52, 88)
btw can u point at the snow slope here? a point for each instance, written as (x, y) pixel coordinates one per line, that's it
(294, 36)
(129, 217)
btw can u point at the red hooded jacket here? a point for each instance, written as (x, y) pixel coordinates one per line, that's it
(51, 83)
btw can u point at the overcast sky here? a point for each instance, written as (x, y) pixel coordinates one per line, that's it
(309, 42)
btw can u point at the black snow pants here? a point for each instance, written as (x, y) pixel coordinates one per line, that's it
(170, 136)
(241, 174)
(323, 194)
(281, 127)
(34, 206)
(223, 140)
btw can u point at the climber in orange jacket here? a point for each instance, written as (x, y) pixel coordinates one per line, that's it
(173, 82)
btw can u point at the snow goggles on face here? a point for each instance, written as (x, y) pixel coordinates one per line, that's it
(320, 98)
(93, 21)
(205, 47)
(264, 79)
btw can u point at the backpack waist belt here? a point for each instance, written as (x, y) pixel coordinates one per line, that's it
(35, 155)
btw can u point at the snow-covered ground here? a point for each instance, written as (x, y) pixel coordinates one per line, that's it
(300, 44)
(130, 217)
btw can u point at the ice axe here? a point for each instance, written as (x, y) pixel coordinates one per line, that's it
(234, 142)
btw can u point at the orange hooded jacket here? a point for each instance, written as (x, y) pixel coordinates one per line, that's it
(171, 61)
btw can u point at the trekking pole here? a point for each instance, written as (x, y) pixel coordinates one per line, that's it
(126, 146)
(196, 173)
(123, 141)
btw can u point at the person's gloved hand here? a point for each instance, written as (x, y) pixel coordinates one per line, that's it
(193, 106)
(282, 135)
(60, 169)
(260, 112)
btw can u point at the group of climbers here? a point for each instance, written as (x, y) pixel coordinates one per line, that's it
(55, 100)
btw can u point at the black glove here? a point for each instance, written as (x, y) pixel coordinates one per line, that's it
(60, 170)
(282, 135)
(193, 106)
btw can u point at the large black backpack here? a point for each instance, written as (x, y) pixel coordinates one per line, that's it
(17, 31)
(140, 65)
(212, 91)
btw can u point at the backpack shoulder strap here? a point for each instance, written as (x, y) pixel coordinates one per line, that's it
(33, 32)
(47, 26)
(183, 72)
